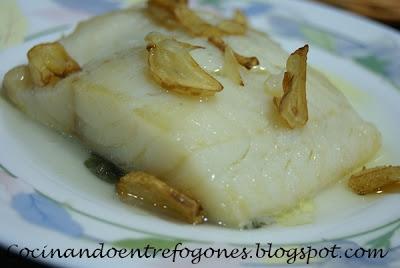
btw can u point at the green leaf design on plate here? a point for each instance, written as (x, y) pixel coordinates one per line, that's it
(158, 243)
(373, 63)
(318, 37)
(215, 3)
(383, 241)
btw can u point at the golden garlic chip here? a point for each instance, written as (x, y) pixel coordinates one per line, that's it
(162, 11)
(172, 13)
(235, 26)
(161, 15)
(231, 67)
(293, 105)
(172, 66)
(240, 18)
(139, 188)
(370, 180)
(50, 62)
(247, 62)
(175, 13)
(194, 24)
(167, 4)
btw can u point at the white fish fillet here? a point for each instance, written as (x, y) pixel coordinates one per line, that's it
(231, 152)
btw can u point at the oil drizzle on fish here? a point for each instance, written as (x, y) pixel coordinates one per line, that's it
(389, 189)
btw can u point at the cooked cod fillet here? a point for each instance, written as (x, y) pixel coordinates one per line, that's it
(231, 152)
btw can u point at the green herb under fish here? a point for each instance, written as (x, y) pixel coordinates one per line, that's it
(103, 168)
(254, 224)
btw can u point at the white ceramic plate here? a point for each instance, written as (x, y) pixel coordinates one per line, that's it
(48, 197)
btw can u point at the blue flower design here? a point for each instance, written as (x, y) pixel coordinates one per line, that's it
(257, 8)
(285, 26)
(39, 210)
(92, 7)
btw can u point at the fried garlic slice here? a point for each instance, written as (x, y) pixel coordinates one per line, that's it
(370, 180)
(247, 62)
(166, 11)
(235, 26)
(167, 4)
(161, 16)
(50, 62)
(231, 67)
(218, 42)
(293, 105)
(162, 11)
(195, 25)
(240, 18)
(172, 66)
(140, 188)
